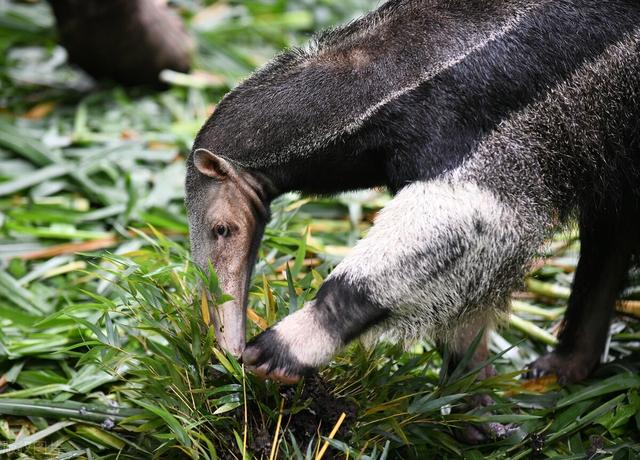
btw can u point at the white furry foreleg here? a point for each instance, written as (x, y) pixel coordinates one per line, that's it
(440, 254)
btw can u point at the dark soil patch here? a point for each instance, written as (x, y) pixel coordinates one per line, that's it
(323, 411)
(316, 410)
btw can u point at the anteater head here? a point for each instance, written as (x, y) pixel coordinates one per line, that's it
(227, 208)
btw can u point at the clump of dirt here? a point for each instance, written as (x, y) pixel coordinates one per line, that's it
(260, 443)
(316, 411)
(323, 410)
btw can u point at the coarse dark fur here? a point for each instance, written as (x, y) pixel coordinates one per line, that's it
(494, 121)
(293, 112)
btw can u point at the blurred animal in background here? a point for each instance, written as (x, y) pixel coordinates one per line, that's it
(127, 41)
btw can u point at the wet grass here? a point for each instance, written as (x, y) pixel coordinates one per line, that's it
(103, 351)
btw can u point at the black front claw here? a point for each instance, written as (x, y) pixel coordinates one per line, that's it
(269, 358)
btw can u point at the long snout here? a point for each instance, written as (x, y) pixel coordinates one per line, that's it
(229, 321)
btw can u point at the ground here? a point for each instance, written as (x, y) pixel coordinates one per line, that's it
(103, 349)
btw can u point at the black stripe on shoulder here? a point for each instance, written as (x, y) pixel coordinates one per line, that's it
(346, 310)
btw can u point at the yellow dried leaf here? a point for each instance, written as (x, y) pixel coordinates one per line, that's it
(257, 319)
(204, 308)
(40, 110)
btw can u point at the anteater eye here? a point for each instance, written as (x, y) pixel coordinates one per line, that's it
(221, 230)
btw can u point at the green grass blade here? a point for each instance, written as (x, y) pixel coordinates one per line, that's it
(36, 437)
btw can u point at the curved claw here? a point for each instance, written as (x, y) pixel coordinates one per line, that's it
(567, 368)
(266, 357)
(278, 375)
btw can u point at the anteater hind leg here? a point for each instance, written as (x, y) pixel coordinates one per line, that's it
(462, 340)
(460, 343)
(606, 245)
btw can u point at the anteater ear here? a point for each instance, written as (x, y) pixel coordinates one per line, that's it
(212, 165)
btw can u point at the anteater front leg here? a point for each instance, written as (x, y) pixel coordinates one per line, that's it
(307, 339)
(442, 255)
(607, 241)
